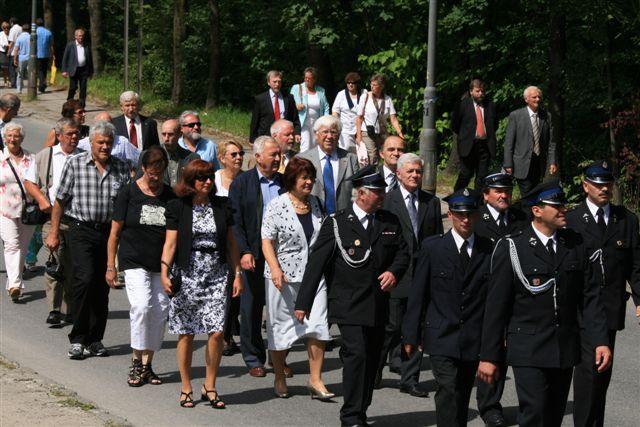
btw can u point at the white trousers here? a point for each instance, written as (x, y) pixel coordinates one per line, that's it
(307, 135)
(15, 238)
(149, 308)
(348, 141)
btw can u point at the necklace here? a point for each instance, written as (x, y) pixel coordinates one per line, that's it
(301, 206)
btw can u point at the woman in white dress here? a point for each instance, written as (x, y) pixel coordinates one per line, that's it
(312, 103)
(290, 225)
(345, 108)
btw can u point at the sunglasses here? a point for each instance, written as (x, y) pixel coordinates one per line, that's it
(236, 154)
(204, 178)
(351, 83)
(192, 125)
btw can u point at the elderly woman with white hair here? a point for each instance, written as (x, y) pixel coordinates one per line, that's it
(16, 165)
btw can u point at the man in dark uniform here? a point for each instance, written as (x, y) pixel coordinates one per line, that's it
(611, 237)
(540, 279)
(362, 256)
(420, 216)
(450, 282)
(497, 219)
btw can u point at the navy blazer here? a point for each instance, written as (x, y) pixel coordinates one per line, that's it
(70, 59)
(263, 116)
(245, 197)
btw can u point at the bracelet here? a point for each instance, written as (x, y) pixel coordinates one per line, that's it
(238, 273)
(111, 269)
(168, 266)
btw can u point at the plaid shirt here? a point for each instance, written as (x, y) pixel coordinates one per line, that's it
(87, 195)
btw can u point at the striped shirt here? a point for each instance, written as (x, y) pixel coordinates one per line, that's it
(87, 195)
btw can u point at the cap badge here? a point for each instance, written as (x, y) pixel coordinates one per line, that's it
(605, 165)
(357, 242)
(465, 193)
(485, 217)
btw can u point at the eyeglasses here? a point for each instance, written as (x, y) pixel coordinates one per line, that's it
(351, 83)
(192, 125)
(204, 178)
(236, 154)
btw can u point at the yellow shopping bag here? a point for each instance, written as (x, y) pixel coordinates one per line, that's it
(54, 70)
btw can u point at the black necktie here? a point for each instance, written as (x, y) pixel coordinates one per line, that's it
(502, 225)
(601, 224)
(552, 252)
(464, 255)
(369, 228)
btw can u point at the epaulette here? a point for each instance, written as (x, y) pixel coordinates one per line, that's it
(340, 212)
(514, 234)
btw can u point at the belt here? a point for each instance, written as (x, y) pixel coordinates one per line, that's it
(98, 226)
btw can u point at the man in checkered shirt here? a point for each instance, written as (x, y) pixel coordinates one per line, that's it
(88, 187)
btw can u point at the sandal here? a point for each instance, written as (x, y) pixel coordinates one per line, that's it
(187, 402)
(135, 378)
(216, 402)
(148, 376)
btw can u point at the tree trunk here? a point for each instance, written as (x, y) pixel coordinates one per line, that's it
(213, 95)
(95, 20)
(178, 37)
(557, 58)
(69, 20)
(318, 58)
(614, 148)
(48, 14)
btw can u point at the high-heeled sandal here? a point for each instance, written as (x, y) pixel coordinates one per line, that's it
(187, 402)
(135, 378)
(216, 402)
(148, 376)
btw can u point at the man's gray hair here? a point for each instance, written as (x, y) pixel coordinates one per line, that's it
(354, 192)
(277, 126)
(409, 159)
(273, 73)
(183, 116)
(328, 122)
(260, 142)
(530, 88)
(129, 96)
(13, 126)
(64, 122)
(9, 101)
(104, 129)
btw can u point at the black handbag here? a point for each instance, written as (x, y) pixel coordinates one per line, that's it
(31, 213)
(175, 276)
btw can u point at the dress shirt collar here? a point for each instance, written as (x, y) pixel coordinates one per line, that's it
(544, 239)
(406, 193)
(475, 105)
(531, 112)
(78, 44)
(362, 215)
(135, 120)
(333, 156)
(386, 171)
(272, 94)
(460, 240)
(274, 177)
(495, 214)
(593, 208)
(57, 149)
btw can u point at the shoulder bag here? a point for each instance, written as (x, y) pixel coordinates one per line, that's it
(31, 213)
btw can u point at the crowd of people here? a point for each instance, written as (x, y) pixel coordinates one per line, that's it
(338, 233)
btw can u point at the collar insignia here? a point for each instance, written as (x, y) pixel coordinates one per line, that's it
(585, 217)
(465, 193)
(357, 242)
(485, 217)
(605, 165)
(533, 241)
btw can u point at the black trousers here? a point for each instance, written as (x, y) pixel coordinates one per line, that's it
(89, 291)
(79, 79)
(455, 380)
(488, 395)
(409, 367)
(542, 395)
(589, 386)
(359, 352)
(534, 176)
(13, 72)
(43, 67)
(477, 162)
(251, 306)
(231, 324)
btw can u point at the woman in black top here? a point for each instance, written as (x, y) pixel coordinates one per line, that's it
(199, 249)
(139, 227)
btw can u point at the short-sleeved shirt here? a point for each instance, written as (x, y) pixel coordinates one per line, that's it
(371, 114)
(347, 115)
(88, 196)
(10, 194)
(142, 236)
(43, 42)
(14, 32)
(206, 149)
(22, 44)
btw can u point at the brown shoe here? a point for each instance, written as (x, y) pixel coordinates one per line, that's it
(258, 372)
(14, 293)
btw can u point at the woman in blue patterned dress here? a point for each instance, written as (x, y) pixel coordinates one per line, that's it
(199, 248)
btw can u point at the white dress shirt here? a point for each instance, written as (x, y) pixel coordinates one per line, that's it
(82, 59)
(495, 214)
(335, 164)
(593, 208)
(362, 215)
(533, 116)
(544, 239)
(58, 159)
(405, 197)
(459, 240)
(387, 177)
(138, 125)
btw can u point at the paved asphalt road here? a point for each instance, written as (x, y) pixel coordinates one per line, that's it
(25, 338)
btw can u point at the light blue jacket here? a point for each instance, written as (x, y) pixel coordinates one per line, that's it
(324, 104)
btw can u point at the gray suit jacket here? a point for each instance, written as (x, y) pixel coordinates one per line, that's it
(348, 165)
(518, 141)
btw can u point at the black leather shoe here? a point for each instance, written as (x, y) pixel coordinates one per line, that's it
(377, 383)
(495, 419)
(414, 391)
(54, 318)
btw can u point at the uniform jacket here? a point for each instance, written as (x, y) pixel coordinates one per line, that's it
(486, 226)
(537, 335)
(621, 256)
(70, 59)
(463, 122)
(518, 141)
(429, 223)
(149, 129)
(263, 116)
(454, 299)
(354, 294)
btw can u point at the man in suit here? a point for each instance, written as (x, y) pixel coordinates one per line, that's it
(77, 65)
(450, 282)
(475, 122)
(249, 195)
(283, 132)
(540, 282)
(266, 110)
(369, 260)
(529, 144)
(420, 216)
(141, 131)
(9, 106)
(497, 218)
(392, 148)
(333, 166)
(611, 237)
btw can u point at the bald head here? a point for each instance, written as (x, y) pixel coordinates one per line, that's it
(392, 148)
(103, 117)
(170, 132)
